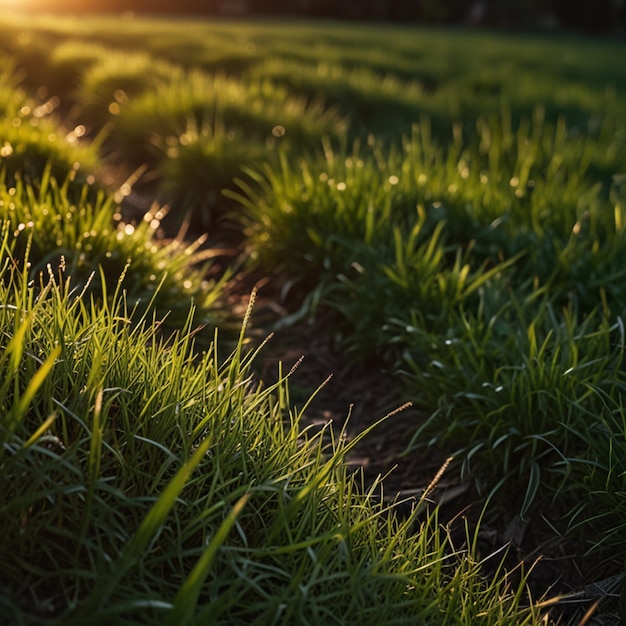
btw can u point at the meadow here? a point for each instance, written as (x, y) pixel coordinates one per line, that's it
(444, 208)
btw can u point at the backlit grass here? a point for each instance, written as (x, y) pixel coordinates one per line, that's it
(455, 198)
(147, 482)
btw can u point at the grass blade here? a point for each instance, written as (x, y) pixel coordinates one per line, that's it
(187, 597)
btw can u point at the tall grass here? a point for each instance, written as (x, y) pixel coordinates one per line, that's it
(516, 391)
(85, 233)
(542, 191)
(146, 482)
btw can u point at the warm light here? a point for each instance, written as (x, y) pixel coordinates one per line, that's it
(23, 6)
(14, 5)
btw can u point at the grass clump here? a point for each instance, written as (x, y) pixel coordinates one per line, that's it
(117, 76)
(147, 482)
(541, 191)
(85, 233)
(256, 107)
(32, 138)
(520, 387)
(198, 164)
(199, 131)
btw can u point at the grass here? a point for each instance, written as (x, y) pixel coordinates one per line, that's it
(145, 481)
(498, 301)
(455, 201)
(33, 138)
(525, 415)
(541, 190)
(94, 245)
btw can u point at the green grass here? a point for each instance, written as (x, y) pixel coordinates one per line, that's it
(414, 250)
(33, 138)
(499, 302)
(147, 482)
(455, 198)
(94, 245)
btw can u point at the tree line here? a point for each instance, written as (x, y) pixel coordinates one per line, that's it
(590, 15)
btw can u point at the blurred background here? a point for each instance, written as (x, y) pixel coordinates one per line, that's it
(598, 16)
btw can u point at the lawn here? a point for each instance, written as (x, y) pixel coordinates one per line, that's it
(435, 216)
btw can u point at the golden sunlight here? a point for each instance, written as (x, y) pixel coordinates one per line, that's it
(54, 6)
(15, 4)
(23, 6)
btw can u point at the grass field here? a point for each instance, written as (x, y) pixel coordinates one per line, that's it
(446, 206)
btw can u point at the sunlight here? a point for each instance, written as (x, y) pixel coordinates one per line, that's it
(13, 5)
(23, 6)
(52, 6)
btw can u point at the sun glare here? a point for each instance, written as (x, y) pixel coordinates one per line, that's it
(23, 5)
(11, 4)
(53, 6)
